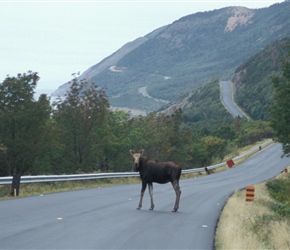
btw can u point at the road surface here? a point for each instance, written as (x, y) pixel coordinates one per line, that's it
(106, 218)
(227, 99)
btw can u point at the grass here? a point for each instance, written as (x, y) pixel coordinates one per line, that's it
(278, 189)
(255, 226)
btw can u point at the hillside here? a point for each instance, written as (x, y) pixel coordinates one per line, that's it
(254, 89)
(205, 107)
(178, 58)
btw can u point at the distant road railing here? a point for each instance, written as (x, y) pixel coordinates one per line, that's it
(75, 177)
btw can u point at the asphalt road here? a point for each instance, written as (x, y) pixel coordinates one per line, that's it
(106, 218)
(227, 100)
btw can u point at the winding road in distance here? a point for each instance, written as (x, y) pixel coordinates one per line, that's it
(106, 218)
(227, 99)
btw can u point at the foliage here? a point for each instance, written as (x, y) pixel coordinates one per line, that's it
(252, 131)
(81, 122)
(254, 91)
(214, 146)
(206, 108)
(23, 122)
(280, 112)
(279, 189)
(80, 134)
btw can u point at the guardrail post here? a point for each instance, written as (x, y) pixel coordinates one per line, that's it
(15, 185)
(206, 170)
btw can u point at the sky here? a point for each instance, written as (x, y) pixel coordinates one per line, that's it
(58, 38)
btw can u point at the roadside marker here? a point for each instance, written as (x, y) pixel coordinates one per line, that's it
(250, 193)
(230, 163)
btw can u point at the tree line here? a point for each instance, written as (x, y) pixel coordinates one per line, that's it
(79, 133)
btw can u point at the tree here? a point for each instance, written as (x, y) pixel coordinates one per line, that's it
(81, 121)
(118, 142)
(22, 122)
(194, 152)
(158, 134)
(279, 110)
(215, 148)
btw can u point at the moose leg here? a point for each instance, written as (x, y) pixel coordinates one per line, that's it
(177, 190)
(151, 195)
(144, 184)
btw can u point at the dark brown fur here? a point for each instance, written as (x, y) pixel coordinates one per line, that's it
(153, 171)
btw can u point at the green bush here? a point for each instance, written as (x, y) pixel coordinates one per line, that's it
(282, 209)
(279, 189)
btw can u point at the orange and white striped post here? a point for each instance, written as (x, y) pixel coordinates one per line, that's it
(250, 194)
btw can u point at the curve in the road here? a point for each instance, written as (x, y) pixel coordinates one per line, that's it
(106, 218)
(227, 99)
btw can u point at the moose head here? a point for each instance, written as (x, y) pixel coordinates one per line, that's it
(136, 158)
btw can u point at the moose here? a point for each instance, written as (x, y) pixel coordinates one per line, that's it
(152, 170)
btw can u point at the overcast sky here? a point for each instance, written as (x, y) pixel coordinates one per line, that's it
(58, 38)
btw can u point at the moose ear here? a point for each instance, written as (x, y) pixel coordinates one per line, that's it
(131, 151)
(142, 151)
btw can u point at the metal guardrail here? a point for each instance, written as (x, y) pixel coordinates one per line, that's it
(74, 177)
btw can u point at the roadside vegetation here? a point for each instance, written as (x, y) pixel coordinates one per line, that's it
(80, 134)
(264, 224)
(255, 99)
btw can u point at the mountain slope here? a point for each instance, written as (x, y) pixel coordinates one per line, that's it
(254, 89)
(184, 55)
(205, 108)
